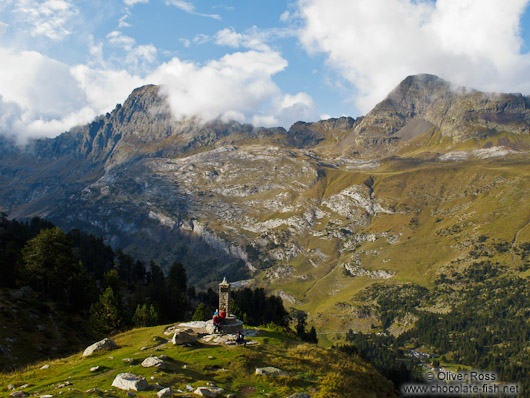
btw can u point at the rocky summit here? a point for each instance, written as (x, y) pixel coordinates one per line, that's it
(316, 213)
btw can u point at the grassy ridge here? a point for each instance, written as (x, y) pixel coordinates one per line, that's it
(323, 373)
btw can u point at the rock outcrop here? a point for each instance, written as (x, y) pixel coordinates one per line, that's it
(270, 371)
(129, 381)
(103, 345)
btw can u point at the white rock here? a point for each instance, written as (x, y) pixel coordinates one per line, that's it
(184, 338)
(209, 391)
(105, 344)
(271, 371)
(151, 362)
(129, 381)
(45, 367)
(166, 392)
(94, 368)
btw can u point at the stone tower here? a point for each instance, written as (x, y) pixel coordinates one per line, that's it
(224, 296)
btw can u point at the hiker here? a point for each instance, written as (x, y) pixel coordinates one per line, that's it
(217, 322)
(222, 315)
(240, 339)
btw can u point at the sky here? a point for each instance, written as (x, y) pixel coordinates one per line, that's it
(269, 63)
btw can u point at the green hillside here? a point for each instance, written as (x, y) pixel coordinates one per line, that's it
(317, 371)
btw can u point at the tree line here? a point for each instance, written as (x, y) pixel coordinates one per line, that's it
(83, 275)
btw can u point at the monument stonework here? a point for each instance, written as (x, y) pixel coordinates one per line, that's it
(224, 296)
(231, 324)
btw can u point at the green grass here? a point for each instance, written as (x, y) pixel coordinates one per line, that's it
(326, 373)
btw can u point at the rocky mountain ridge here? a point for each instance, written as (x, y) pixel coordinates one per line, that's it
(315, 213)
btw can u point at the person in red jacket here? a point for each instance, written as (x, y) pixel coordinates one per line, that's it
(216, 323)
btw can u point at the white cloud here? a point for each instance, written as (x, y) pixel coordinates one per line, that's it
(138, 58)
(122, 23)
(104, 88)
(375, 44)
(50, 18)
(253, 38)
(3, 27)
(185, 42)
(201, 39)
(118, 39)
(285, 17)
(287, 109)
(239, 87)
(43, 97)
(133, 2)
(40, 96)
(190, 8)
(239, 82)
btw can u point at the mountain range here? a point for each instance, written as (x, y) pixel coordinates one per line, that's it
(316, 213)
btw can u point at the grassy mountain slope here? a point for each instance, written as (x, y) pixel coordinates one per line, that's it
(316, 213)
(323, 373)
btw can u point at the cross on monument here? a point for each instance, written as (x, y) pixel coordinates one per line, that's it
(224, 296)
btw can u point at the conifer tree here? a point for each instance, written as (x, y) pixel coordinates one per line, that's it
(106, 316)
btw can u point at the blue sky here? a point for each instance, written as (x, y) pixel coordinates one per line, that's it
(269, 63)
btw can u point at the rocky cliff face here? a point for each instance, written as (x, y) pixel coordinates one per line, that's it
(316, 212)
(423, 102)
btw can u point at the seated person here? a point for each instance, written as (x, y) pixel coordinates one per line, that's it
(240, 339)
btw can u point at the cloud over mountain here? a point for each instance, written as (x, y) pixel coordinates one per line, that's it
(373, 45)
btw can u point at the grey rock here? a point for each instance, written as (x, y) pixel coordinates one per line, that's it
(184, 338)
(151, 362)
(270, 371)
(128, 360)
(95, 368)
(209, 391)
(105, 344)
(300, 395)
(129, 381)
(44, 367)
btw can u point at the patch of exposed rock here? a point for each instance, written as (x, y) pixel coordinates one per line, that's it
(130, 381)
(103, 345)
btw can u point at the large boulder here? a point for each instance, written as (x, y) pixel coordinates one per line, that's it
(209, 391)
(105, 344)
(151, 362)
(181, 337)
(271, 371)
(129, 381)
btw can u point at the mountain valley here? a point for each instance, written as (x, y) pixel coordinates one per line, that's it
(315, 214)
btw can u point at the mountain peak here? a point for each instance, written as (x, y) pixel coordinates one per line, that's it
(421, 102)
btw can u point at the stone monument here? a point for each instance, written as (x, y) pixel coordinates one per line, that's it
(231, 323)
(224, 296)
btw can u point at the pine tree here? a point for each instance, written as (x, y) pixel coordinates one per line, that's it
(49, 263)
(106, 316)
(144, 316)
(200, 313)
